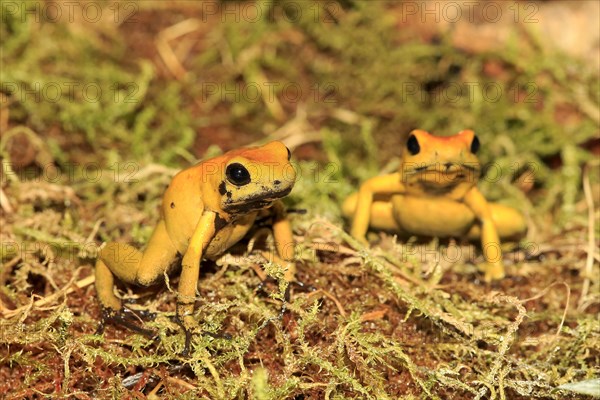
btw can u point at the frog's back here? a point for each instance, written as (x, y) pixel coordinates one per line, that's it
(183, 206)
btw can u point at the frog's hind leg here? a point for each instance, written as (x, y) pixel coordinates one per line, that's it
(132, 266)
(509, 222)
(381, 216)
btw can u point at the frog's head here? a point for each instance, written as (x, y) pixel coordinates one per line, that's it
(434, 165)
(252, 178)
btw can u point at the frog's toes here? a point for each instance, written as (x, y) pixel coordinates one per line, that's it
(299, 284)
(126, 318)
(261, 288)
(145, 314)
(140, 314)
(189, 326)
(303, 286)
(493, 272)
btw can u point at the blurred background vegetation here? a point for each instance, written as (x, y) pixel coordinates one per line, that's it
(113, 102)
(166, 84)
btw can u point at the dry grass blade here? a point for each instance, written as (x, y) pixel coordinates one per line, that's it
(166, 51)
(591, 249)
(5, 203)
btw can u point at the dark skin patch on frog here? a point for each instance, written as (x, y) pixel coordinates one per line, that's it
(222, 188)
(220, 222)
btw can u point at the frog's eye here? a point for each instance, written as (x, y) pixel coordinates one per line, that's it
(475, 145)
(289, 153)
(237, 174)
(413, 145)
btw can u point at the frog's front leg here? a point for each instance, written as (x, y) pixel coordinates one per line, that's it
(284, 239)
(383, 215)
(190, 270)
(490, 241)
(364, 210)
(134, 267)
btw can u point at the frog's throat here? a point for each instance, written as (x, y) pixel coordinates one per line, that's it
(439, 189)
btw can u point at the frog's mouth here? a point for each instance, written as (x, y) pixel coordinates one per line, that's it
(444, 175)
(253, 203)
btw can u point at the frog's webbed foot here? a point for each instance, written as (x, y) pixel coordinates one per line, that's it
(126, 318)
(141, 314)
(189, 326)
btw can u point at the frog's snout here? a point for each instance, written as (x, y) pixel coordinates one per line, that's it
(283, 182)
(283, 188)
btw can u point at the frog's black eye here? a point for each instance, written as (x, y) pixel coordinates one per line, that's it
(237, 174)
(475, 145)
(413, 145)
(289, 153)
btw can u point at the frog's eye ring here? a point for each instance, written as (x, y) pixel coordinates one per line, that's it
(475, 145)
(237, 174)
(412, 144)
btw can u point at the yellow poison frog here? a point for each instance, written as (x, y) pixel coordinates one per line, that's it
(206, 209)
(434, 193)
